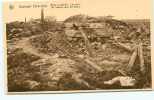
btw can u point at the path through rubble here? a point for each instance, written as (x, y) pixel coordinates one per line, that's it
(25, 44)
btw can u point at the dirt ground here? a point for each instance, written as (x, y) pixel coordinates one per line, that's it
(35, 64)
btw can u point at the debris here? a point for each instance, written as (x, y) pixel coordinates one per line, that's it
(31, 84)
(132, 60)
(124, 81)
(141, 58)
(127, 48)
(87, 43)
(94, 65)
(78, 79)
(110, 63)
(81, 56)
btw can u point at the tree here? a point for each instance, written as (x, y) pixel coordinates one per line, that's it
(42, 18)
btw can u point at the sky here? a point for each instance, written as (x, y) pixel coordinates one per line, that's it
(121, 9)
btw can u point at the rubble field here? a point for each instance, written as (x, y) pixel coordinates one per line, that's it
(81, 53)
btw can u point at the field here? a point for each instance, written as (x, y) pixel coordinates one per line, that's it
(80, 53)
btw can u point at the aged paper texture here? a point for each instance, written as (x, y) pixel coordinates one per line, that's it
(64, 46)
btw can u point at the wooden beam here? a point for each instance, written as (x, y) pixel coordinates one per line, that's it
(141, 58)
(94, 65)
(87, 43)
(123, 46)
(132, 60)
(81, 60)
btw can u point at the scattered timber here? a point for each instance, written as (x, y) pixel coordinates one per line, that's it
(132, 60)
(82, 61)
(87, 43)
(121, 45)
(141, 58)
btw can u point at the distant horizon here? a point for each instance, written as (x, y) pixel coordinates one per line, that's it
(77, 14)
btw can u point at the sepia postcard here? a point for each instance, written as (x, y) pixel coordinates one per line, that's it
(70, 46)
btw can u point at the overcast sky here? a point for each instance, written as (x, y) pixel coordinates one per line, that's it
(121, 9)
